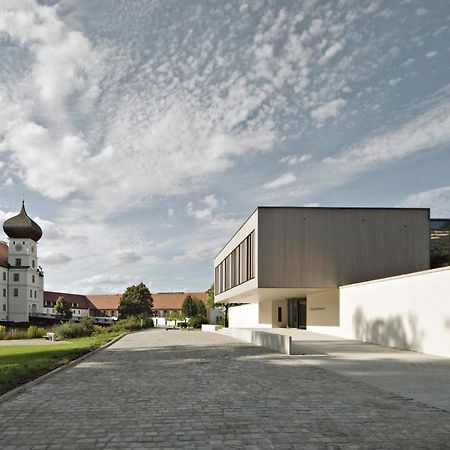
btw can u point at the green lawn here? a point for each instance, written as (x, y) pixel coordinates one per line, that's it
(22, 363)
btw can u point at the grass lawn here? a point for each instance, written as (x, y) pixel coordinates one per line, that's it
(22, 363)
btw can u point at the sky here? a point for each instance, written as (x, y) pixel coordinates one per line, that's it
(142, 134)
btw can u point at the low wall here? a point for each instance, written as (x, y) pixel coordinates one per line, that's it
(248, 316)
(409, 311)
(210, 328)
(277, 342)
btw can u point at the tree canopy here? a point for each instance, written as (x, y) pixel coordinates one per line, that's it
(188, 307)
(62, 308)
(136, 302)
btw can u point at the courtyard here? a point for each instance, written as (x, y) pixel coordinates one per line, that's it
(179, 389)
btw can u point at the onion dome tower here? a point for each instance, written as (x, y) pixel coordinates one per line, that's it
(25, 284)
(22, 226)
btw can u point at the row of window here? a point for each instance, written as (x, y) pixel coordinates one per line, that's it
(238, 267)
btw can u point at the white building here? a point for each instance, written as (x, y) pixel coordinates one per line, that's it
(22, 279)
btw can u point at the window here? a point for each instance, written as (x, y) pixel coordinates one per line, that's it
(4, 276)
(32, 263)
(237, 267)
(280, 311)
(4, 308)
(16, 292)
(18, 262)
(35, 294)
(16, 277)
(31, 292)
(33, 278)
(4, 292)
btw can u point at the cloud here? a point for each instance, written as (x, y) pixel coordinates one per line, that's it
(281, 181)
(330, 109)
(331, 52)
(438, 200)
(209, 204)
(431, 54)
(293, 160)
(54, 258)
(394, 81)
(127, 256)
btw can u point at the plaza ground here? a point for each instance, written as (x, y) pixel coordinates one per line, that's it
(178, 389)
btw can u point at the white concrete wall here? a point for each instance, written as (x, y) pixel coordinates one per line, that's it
(409, 311)
(322, 308)
(250, 316)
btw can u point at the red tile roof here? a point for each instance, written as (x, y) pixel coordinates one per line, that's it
(162, 300)
(81, 301)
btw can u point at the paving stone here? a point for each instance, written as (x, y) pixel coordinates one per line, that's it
(178, 389)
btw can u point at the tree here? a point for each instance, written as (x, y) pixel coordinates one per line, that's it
(188, 307)
(200, 308)
(62, 309)
(136, 302)
(210, 297)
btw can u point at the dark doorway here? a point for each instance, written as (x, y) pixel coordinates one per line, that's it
(297, 313)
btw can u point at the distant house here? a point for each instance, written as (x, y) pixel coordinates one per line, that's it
(108, 305)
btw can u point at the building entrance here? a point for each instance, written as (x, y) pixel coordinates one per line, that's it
(297, 313)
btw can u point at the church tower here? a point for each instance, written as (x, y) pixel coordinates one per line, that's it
(25, 277)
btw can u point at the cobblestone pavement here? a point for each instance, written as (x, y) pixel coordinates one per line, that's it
(175, 389)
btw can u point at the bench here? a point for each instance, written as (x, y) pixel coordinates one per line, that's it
(50, 336)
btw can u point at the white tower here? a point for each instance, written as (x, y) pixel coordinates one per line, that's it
(26, 279)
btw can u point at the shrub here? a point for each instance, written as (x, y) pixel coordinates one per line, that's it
(2, 332)
(72, 330)
(131, 324)
(98, 329)
(35, 332)
(197, 321)
(15, 333)
(88, 323)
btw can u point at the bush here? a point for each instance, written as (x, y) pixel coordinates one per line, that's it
(98, 329)
(35, 332)
(131, 324)
(197, 321)
(72, 330)
(2, 332)
(89, 325)
(15, 333)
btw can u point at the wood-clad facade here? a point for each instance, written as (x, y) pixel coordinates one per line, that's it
(298, 254)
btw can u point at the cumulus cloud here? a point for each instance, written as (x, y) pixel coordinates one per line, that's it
(431, 54)
(330, 109)
(437, 199)
(281, 181)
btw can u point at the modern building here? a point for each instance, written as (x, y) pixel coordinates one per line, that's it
(285, 264)
(21, 279)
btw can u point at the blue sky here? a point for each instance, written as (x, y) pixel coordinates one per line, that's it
(143, 133)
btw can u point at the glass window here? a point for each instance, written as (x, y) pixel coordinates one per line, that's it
(16, 277)
(16, 292)
(18, 262)
(237, 267)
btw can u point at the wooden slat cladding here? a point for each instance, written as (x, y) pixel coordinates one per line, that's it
(330, 247)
